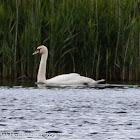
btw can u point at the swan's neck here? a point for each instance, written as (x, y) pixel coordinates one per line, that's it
(41, 77)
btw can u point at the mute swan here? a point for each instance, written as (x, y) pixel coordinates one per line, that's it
(72, 79)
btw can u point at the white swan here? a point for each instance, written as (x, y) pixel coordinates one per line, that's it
(72, 79)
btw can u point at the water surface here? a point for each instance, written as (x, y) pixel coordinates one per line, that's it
(110, 111)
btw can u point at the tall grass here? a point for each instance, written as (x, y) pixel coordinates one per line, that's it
(96, 38)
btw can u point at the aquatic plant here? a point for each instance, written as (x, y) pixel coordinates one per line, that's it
(96, 38)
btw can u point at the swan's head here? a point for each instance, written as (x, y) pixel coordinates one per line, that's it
(41, 49)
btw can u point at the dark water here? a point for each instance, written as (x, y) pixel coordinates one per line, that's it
(106, 112)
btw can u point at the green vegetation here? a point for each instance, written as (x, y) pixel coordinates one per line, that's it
(95, 38)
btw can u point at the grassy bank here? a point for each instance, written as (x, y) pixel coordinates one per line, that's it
(96, 38)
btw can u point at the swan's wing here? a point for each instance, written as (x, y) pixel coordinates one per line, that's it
(63, 78)
(72, 79)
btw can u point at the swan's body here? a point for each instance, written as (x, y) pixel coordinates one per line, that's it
(72, 79)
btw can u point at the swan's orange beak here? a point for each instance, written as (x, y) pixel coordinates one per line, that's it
(37, 51)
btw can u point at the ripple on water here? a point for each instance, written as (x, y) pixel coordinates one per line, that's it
(82, 113)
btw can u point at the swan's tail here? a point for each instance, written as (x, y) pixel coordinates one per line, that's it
(98, 81)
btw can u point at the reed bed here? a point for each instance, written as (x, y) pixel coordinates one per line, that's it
(95, 38)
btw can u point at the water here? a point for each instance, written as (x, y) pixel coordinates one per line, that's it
(101, 113)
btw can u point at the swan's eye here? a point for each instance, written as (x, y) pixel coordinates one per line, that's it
(39, 49)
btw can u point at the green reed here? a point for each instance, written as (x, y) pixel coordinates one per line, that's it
(96, 38)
